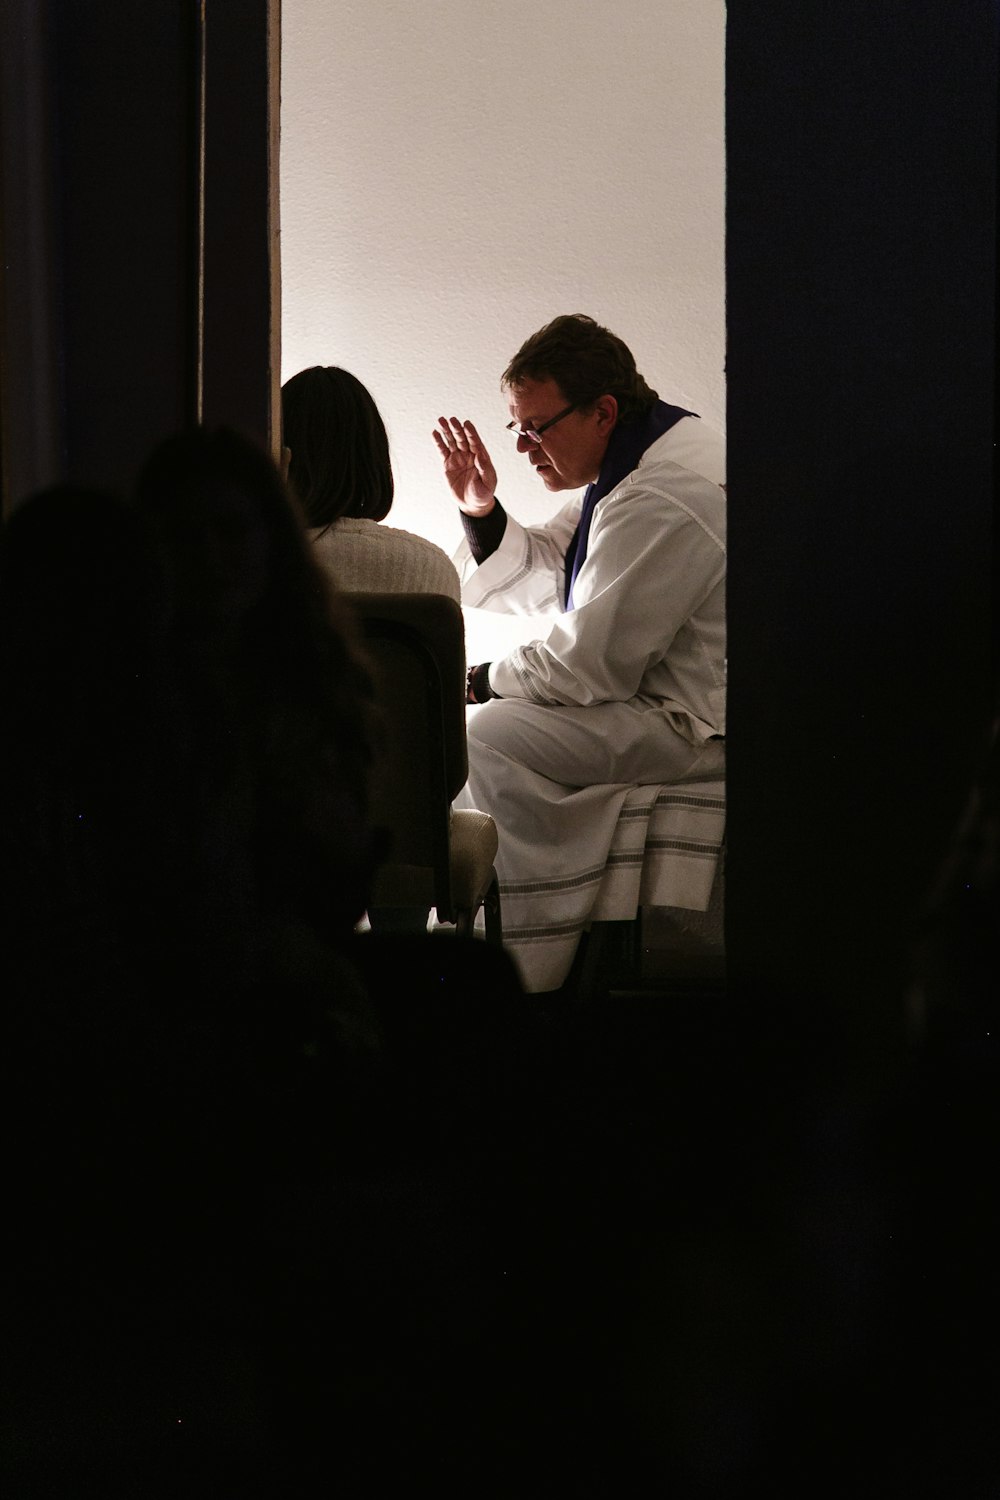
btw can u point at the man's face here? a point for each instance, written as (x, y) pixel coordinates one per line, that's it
(571, 451)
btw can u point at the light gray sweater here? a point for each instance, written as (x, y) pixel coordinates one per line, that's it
(367, 557)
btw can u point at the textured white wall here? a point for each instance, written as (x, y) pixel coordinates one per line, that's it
(455, 173)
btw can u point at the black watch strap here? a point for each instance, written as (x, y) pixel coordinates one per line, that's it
(477, 684)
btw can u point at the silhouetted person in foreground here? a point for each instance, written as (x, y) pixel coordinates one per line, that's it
(246, 1174)
(186, 1050)
(94, 745)
(280, 698)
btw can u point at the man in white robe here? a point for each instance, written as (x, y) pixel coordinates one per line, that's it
(627, 688)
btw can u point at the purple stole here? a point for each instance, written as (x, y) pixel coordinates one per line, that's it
(628, 443)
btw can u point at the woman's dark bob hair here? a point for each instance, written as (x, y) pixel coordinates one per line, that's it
(340, 453)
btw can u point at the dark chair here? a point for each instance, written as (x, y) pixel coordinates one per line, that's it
(439, 857)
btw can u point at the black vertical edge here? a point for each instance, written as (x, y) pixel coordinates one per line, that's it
(195, 216)
(32, 397)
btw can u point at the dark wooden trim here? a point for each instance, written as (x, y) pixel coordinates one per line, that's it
(242, 263)
(861, 257)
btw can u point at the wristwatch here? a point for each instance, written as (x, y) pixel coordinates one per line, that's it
(477, 684)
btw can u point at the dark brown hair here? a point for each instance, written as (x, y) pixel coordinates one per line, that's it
(586, 361)
(299, 647)
(340, 452)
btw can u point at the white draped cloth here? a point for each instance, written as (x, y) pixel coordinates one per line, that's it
(602, 761)
(570, 855)
(664, 851)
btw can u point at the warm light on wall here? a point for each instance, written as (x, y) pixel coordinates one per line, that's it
(446, 189)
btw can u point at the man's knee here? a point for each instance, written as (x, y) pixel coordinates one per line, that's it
(489, 726)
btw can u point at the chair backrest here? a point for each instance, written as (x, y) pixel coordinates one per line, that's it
(416, 647)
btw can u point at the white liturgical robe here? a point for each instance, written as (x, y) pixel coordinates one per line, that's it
(626, 690)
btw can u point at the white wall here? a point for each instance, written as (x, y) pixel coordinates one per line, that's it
(456, 172)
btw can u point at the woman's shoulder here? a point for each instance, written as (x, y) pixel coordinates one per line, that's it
(412, 540)
(370, 555)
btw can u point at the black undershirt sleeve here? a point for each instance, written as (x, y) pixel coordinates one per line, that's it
(485, 533)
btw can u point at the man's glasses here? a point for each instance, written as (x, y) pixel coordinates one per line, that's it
(534, 434)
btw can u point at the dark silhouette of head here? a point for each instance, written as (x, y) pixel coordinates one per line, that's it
(340, 462)
(234, 543)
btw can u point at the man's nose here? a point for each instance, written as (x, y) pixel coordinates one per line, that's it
(524, 444)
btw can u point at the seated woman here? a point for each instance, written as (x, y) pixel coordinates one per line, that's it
(339, 468)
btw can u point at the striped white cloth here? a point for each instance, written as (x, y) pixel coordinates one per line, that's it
(664, 851)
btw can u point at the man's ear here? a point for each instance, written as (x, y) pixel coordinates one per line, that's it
(606, 408)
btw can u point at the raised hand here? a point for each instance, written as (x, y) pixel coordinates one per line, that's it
(468, 467)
